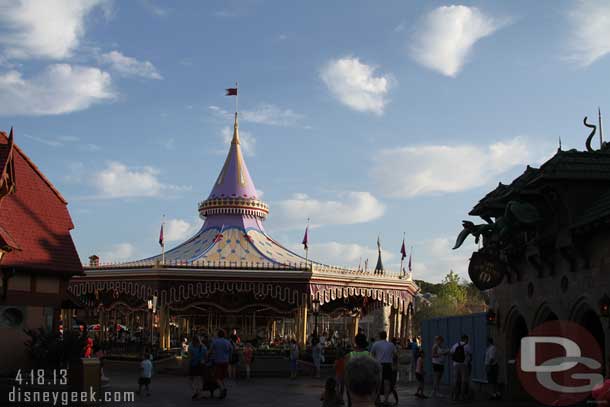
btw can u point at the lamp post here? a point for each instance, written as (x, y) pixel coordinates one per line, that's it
(315, 308)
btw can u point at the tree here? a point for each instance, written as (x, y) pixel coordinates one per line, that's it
(453, 296)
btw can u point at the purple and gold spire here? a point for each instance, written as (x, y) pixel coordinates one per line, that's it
(233, 232)
(234, 192)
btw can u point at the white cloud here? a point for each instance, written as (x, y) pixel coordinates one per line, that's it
(246, 140)
(270, 114)
(444, 38)
(61, 141)
(118, 252)
(433, 169)
(353, 83)
(179, 229)
(589, 37)
(60, 88)
(119, 181)
(348, 208)
(154, 8)
(46, 29)
(129, 66)
(264, 113)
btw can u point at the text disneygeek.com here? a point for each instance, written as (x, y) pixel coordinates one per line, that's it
(21, 397)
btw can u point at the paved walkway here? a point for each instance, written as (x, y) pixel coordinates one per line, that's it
(170, 390)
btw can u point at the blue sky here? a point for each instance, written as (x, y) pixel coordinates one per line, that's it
(370, 118)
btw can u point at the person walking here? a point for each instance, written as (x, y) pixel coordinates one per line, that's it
(198, 354)
(362, 381)
(383, 351)
(420, 375)
(360, 347)
(340, 373)
(294, 357)
(146, 368)
(461, 356)
(220, 352)
(234, 362)
(438, 364)
(415, 345)
(248, 358)
(316, 355)
(491, 369)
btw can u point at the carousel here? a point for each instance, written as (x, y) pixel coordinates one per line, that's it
(232, 274)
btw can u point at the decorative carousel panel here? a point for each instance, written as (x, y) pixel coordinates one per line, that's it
(272, 251)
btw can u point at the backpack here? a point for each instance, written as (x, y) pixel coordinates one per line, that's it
(196, 361)
(459, 356)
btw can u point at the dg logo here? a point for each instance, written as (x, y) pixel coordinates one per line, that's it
(559, 363)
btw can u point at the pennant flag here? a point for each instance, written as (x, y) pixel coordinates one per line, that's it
(378, 243)
(231, 92)
(366, 264)
(410, 262)
(219, 235)
(161, 235)
(305, 241)
(403, 250)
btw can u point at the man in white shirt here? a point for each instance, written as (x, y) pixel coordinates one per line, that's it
(461, 356)
(491, 368)
(384, 351)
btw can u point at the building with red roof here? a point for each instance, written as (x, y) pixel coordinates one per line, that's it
(37, 254)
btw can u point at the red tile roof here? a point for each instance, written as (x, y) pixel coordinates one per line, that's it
(36, 218)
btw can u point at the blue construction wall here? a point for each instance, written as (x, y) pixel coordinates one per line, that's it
(452, 328)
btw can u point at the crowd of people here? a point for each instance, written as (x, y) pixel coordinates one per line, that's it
(366, 372)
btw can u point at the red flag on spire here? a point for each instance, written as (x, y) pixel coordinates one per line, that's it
(231, 92)
(305, 241)
(403, 250)
(161, 236)
(410, 262)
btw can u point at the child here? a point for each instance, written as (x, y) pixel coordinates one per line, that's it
(145, 374)
(329, 396)
(340, 374)
(248, 358)
(419, 374)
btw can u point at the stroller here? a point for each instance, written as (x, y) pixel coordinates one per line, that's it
(209, 382)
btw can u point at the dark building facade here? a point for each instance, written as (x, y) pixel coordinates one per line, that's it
(545, 252)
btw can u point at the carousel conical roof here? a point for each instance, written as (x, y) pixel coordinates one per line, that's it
(233, 231)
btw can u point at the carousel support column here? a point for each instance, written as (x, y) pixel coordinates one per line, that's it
(403, 328)
(383, 319)
(302, 326)
(396, 323)
(168, 338)
(354, 328)
(410, 322)
(164, 327)
(161, 327)
(393, 324)
(254, 324)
